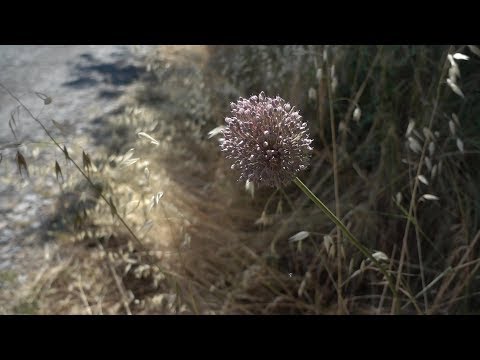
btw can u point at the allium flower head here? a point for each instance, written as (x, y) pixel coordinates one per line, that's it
(266, 140)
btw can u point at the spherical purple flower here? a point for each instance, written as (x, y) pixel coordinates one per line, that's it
(266, 140)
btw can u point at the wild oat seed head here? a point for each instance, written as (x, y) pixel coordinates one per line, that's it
(266, 140)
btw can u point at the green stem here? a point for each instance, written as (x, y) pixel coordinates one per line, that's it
(347, 233)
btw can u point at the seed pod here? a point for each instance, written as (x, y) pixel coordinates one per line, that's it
(357, 113)
(21, 164)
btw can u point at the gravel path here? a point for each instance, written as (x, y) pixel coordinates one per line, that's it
(85, 82)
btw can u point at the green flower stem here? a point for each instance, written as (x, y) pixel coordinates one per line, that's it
(347, 233)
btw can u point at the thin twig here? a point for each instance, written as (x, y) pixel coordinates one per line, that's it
(341, 304)
(118, 281)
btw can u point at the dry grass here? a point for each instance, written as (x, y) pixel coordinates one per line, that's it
(215, 249)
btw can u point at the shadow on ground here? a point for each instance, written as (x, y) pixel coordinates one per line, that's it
(91, 71)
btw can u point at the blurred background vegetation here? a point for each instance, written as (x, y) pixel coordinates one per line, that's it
(405, 120)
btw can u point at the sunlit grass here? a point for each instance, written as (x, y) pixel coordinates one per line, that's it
(211, 247)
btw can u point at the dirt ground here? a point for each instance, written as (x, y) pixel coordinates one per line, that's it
(89, 85)
(85, 82)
